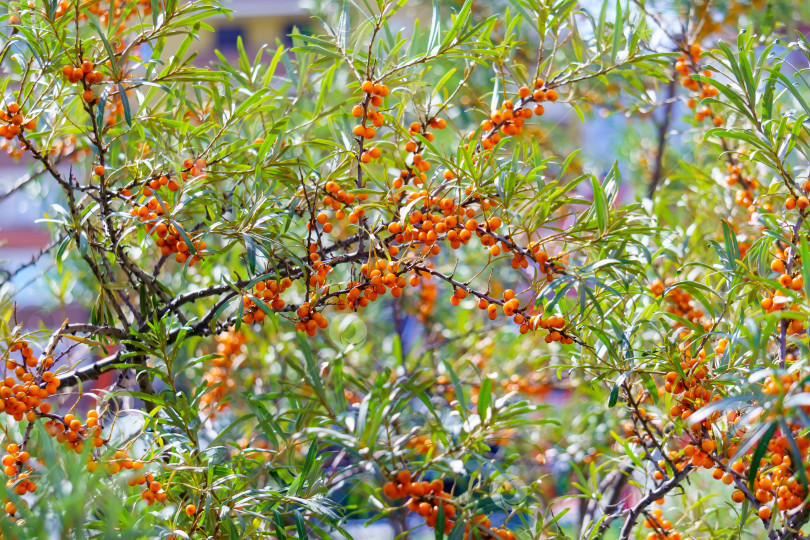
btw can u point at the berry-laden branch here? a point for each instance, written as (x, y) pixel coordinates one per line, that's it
(658, 493)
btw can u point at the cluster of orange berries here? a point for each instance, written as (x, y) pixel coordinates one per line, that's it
(776, 477)
(681, 303)
(13, 463)
(421, 443)
(511, 308)
(118, 463)
(269, 291)
(230, 346)
(24, 401)
(21, 395)
(193, 168)
(86, 71)
(426, 228)
(374, 97)
(662, 528)
(12, 122)
(153, 492)
(378, 278)
(103, 10)
(683, 66)
(22, 484)
(427, 497)
(115, 111)
(100, 9)
(428, 293)
(309, 320)
(417, 167)
(437, 219)
(534, 385)
(245, 443)
(14, 460)
(15, 152)
(442, 219)
(169, 240)
(509, 119)
(744, 196)
(156, 182)
(73, 433)
(794, 281)
(801, 202)
(317, 279)
(9, 507)
(146, 212)
(337, 199)
(690, 388)
(382, 276)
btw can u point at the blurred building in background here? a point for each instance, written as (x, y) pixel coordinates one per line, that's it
(256, 22)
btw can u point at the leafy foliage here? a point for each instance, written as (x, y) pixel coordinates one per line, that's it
(375, 277)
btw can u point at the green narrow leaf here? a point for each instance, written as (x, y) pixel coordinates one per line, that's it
(496, 94)
(732, 248)
(614, 392)
(300, 525)
(759, 451)
(439, 529)
(600, 205)
(312, 366)
(618, 25)
(116, 70)
(795, 453)
(250, 248)
(278, 521)
(435, 28)
(344, 26)
(155, 5)
(805, 255)
(458, 388)
(484, 398)
(125, 104)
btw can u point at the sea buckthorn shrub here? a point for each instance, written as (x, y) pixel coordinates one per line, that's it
(373, 274)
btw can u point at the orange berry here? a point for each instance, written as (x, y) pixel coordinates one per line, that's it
(404, 477)
(764, 512)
